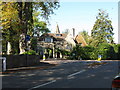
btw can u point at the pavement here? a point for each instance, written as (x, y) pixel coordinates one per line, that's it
(41, 65)
(44, 65)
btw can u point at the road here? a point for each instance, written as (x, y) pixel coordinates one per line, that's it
(66, 75)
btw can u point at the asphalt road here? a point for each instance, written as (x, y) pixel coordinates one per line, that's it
(66, 75)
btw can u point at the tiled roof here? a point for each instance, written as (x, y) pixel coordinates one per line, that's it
(62, 36)
(80, 39)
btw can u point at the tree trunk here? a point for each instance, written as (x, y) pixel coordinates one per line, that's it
(22, 43)
(9, 48)
(26, 21)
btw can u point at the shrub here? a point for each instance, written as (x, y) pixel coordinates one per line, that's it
(30, 52)
(34, 43)
(106, 50)
(118, 54)
(85, 53)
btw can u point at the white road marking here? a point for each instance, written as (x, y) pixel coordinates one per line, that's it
(55, 80)
(76, 73)
(42, 85)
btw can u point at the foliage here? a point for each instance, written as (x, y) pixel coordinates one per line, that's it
(49, 52)
(10, 26)
(39, 26)
(66, 31)
(91, 53)
(46, 8)
(81, 52)
(17, 18)
(30, 52)
(115, 47)
(106, 50)
(9, 15)
(34, 43)
(65, 52)
(118, 52)
(85, 36)
(102, 31)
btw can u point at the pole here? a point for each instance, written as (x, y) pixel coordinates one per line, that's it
(4, 63)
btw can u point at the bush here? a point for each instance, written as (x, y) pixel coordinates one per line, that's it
(85, 53)
(34, 43)
(118, 54)
(31, 52)
(107, 51)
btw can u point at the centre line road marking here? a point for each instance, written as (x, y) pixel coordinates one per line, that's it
(42, 85)
(76, 73)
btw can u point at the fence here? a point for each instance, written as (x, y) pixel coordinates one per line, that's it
(14, 61)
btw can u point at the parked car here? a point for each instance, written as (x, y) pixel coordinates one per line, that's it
(116, 83)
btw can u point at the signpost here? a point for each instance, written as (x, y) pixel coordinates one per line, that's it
(27, 38)
(99, 58)
(44, 57)
(3, 63)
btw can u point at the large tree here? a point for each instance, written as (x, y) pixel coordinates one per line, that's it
(102, 31)
(40, 27)
(10, 26)
(17, 18)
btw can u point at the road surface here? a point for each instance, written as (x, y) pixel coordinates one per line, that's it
(66, 75)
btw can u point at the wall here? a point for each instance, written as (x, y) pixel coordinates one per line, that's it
(14, 61)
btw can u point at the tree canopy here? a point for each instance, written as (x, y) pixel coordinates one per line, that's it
(102, 30)
(18, 18)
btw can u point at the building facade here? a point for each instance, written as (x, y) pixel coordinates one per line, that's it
(51, 44)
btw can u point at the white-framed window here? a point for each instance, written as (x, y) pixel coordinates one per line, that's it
(48, 39)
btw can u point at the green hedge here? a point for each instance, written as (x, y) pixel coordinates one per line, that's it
(118, 54)
(108, 52)
(31, 52)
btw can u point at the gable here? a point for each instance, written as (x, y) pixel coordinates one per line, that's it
(55, 36)
(80, 40)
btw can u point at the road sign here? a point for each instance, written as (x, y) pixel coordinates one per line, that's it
(99, 57)
(27, 38)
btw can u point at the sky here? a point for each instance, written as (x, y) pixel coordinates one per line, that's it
(82, 15)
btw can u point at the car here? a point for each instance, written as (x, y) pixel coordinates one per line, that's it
(116, 82)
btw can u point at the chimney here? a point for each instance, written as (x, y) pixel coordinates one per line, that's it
(73, 32)
(57, 29)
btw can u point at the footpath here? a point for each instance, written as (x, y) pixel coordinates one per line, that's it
(42, 65)
(45, 64)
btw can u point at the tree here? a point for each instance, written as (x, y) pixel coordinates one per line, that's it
(85, 36)
(40, 27)
(102, 31)
(45, 8)
(66, 31)
(106, 50)
(17, 19)
(10, 24)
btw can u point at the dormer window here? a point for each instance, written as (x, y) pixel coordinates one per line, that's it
(58, 35)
